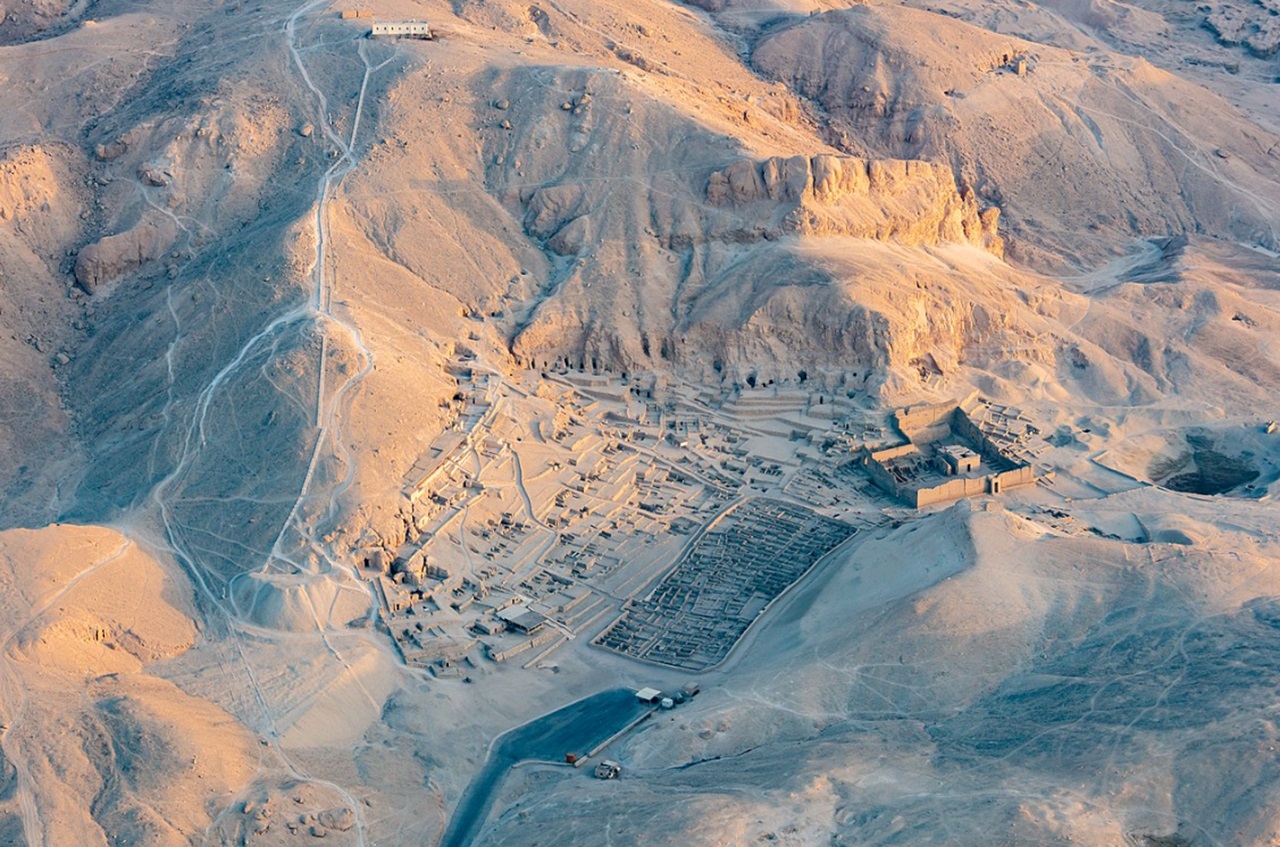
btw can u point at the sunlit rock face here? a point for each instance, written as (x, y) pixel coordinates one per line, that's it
(1070, 144)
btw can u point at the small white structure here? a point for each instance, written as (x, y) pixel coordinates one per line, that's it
(408, 29)
(959, 460)
(648, 695)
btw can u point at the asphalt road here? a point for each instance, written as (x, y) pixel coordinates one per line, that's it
(576, 728)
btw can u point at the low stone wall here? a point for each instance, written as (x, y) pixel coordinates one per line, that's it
(515, 650)
(964, 426)
(881, 476)
(953, 489)
(1021, 475)
(892, 452)
(926, 422)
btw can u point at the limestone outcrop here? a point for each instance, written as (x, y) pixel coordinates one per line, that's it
(1082, 152)
(23, 20)
(39, 197)
(42, 196)
(912, 202)
(110, 258)
(691, 255)
(1253, 25)
(159, 172)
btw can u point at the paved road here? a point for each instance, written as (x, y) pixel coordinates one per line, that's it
(576, 728)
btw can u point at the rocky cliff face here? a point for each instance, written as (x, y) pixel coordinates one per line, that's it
(910, 202)
(858, 316)
(1082, 151)
(684, 244)
(113, 256)
(1253, 25)
(27, 18)
(168, 185)
(41, 198)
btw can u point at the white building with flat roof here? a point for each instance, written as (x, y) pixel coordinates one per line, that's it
(960, 459)
(411, 29)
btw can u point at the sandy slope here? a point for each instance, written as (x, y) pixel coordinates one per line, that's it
(105, 749)
(973, 673)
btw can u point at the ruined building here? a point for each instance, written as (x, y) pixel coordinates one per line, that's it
(945, 456)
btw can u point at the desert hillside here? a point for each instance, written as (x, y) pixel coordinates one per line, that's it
(890, 386)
